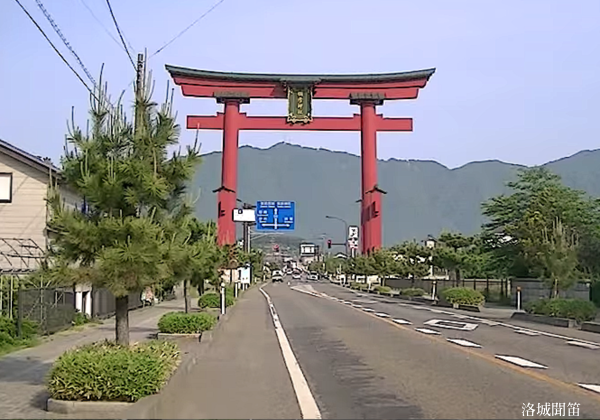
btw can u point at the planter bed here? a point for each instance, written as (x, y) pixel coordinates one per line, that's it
(87, 407)
(166, 336)
(542, 319)
(470, 308)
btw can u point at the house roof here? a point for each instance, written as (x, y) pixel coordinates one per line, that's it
(28, 159)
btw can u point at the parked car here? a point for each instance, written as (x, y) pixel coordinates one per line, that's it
(277, 276)
(313, 276)
(296, 276)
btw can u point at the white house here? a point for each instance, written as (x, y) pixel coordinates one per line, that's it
(24, 237)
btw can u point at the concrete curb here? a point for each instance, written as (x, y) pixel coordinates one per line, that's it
(166, 336)
(593, 327)
(91, 407)
(547, 320)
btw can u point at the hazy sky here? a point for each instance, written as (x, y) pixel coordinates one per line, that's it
(516, 80)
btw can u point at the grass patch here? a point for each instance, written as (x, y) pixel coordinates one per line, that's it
(182, 323)
(106, 371)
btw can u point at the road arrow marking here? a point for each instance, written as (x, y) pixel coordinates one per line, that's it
(519, 361)
(463, 343)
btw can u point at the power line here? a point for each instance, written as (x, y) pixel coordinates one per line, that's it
(64, 40)
(102, 25)
(120, 34)
(189, 27)
(56, 50)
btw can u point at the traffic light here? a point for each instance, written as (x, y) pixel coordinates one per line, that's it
(328, 243)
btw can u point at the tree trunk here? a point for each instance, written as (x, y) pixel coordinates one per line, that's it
(122, 320)
(185, 296)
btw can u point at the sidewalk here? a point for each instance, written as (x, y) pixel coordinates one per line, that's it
(22, 373)
(240, 374)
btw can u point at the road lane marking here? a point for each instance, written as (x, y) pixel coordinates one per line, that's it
(463, 343)
(459, 316)
(528, 332)
(451, 325)
(533, 374)
(490, 323)
(427, 331)
(354, 305)
(306, 401)
(402, 322)
(368, 310)
(382, 315)
(519, 361)
(585, 345)
(594, 388)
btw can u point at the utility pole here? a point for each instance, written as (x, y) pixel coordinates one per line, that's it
(139, 89)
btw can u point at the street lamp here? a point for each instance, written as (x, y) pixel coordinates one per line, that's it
(345, 230)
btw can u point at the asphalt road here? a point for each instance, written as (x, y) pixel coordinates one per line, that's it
(359, 365)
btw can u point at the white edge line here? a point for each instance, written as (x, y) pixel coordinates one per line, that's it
(306, 401)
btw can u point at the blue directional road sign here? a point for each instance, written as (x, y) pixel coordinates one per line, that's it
(275, 215)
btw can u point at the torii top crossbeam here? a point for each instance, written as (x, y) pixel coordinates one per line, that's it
(365, 90)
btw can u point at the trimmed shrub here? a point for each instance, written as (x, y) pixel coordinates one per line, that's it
(80, 319)
(182, 323)
(106, 371)
(463, 296)
(383, 289)
(577, 309)
(412, 292)
(213, 300)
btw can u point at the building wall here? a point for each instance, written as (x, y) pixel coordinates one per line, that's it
(25, 216)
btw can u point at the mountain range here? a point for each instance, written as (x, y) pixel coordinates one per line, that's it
(423, 197)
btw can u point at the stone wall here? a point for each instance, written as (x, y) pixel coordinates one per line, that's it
(533, 289)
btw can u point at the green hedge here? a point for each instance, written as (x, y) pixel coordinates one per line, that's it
(213, 300)
(108, 372)
(182, 323)
(412, 292)
(383, 289)
(577, 309)
(463, 296)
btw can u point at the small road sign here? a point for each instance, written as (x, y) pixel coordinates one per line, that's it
(275, 215)
(352, 232)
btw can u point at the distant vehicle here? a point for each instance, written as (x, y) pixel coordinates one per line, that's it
(296, 276)
(313, 276)
(277, 275)
(289, 271)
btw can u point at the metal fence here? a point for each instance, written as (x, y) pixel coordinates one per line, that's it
(52, 309)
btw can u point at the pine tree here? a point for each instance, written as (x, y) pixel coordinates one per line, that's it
(123, 237)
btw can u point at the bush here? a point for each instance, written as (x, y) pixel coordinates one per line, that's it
(412, 292)
(577, 309)
(463, 296)
(108, 372)
(80, 319)
(383, 289)
(8, 334)
(182, 323)
(213, 300)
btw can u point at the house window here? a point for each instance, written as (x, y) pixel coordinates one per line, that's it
(6, 186)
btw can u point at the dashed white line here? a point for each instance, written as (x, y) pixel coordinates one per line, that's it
(368, 310)
(459, 316)
(463, 343)
(528, 332)
(306, 401)
(490, 323)
(402, 322)
(356, 306)
(427, 331)
(519, 361)
(585, 345)
(382, 315)
(594, 388)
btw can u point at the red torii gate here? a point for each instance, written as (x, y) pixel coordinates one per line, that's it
(364, 90)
